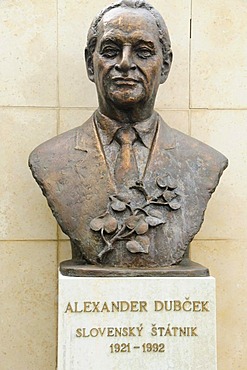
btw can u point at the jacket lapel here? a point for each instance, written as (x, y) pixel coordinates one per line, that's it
(161, 157)
(94, 165)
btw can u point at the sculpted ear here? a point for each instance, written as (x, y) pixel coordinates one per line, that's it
(89, 64)
(167, 62)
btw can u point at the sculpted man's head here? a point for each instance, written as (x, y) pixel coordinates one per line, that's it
(128, 55)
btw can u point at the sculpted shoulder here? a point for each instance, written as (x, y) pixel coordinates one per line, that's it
(195, 159)
(54, 154)
(198, 148)
(193, 149)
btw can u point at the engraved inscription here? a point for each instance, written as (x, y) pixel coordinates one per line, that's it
(186, 305)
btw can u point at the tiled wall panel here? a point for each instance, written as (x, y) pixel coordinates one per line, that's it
(226, 131)
(45, 91)
(226, 260)
(28, 60)
(28, 289)
(24, 213)
(219, 54)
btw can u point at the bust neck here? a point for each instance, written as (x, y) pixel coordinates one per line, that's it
(128, 114)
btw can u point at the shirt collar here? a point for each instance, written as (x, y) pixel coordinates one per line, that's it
(108, 127)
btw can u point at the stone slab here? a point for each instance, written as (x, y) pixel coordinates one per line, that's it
(186, 268)
(115, 323)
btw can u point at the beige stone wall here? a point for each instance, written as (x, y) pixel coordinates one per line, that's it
(44, 91)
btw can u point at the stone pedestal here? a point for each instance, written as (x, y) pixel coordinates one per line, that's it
(146, 323)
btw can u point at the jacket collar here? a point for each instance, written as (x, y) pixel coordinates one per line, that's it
(87, 136)
(107, 128)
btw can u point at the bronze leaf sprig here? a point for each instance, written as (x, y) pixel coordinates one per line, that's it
(122, 221)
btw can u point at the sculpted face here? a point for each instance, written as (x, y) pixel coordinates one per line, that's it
(128, 60)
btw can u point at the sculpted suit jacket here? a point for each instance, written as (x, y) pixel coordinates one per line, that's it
(72, 172)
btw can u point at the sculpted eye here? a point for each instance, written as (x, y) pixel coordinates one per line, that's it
(144, 52)
(110, 52)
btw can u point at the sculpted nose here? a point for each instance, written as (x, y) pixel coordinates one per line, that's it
(126, 63)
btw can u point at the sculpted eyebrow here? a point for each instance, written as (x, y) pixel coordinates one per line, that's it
(110, 41)
(150, 44)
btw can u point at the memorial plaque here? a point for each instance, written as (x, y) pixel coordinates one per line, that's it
(147, 323)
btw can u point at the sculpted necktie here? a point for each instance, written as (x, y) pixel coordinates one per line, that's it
(126, 171)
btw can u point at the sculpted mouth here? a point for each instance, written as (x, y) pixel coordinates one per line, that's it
(125, 81)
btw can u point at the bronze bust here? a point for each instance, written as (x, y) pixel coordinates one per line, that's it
(128, 190)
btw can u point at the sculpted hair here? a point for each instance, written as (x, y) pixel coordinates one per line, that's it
(134, 4)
